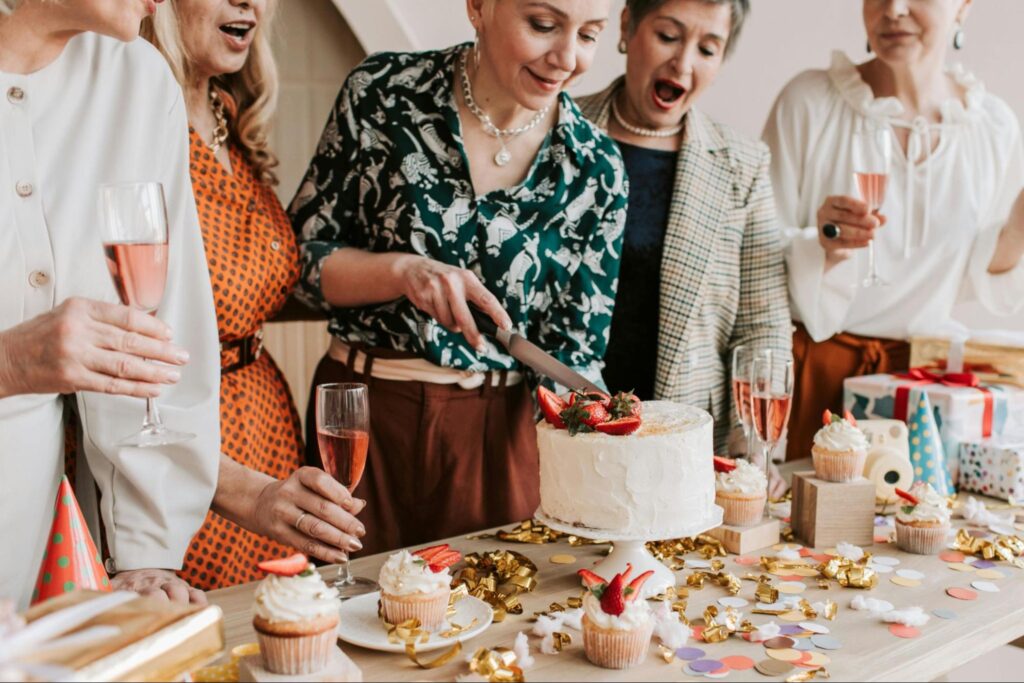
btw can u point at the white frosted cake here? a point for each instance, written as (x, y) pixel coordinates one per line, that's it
(650, 483)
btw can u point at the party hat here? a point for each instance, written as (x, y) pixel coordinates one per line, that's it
(70, 561)
(926, 452)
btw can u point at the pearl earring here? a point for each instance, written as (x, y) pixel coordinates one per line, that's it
(958, 37)
(622, 46)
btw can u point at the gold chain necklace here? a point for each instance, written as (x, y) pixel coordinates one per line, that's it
(220, 131)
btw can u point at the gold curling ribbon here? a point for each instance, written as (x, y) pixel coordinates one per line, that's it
(809, 675)
(560, 640)
(731, 582)
(766, 593)
(831, 609)
(456, 629)
(718, 626)
(668, 654)
(823, 584)
(440, 660)
(497, 578)
(849, 574)
(528, 531)
(807, 609)
(410, 633)
(574, 603)
(497, 665)
(1006, 548)
(705, 545)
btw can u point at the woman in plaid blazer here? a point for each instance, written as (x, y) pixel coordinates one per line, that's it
(702, 265)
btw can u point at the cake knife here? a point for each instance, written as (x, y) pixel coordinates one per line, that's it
(532, 355)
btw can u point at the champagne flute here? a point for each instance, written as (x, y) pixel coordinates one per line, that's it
(771, 394)
(742, 355)
(343, 434)
(872, 159)
(133, 221)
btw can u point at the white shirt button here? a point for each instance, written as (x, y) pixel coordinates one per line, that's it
(16, 95)
(23, 189)
(38, 279)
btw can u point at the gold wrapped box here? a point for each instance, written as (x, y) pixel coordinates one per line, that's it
(151, 640)
(992, 363)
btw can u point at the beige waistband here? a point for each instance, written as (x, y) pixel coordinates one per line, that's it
(417, 369)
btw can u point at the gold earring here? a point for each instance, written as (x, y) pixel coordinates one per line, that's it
(622, 46)
(476, 52)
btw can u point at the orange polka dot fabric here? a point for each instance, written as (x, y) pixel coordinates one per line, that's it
(253, 260)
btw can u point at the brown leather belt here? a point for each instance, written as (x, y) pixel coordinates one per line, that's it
(238, 353)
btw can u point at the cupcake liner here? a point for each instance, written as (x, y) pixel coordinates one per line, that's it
(838, 466)
(614, 649)
(741, 509)
(921, 540)
(431, 609)
(297, 655)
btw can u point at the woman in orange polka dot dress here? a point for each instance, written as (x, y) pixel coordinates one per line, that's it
(266, 504)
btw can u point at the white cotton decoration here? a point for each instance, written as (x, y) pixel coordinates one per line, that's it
(521, 647)
(788, 554)
(911, 616)
(849, 551)
(871, 605)
(573, 618)
(765, 631)
(547, 644)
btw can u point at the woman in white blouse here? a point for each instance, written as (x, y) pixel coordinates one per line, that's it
(949, 225)
(78, 108)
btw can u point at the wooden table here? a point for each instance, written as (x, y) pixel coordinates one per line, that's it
(870, 652)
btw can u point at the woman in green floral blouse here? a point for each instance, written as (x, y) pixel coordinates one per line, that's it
(451, 178)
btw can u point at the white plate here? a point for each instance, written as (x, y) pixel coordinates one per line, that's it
(361, 626)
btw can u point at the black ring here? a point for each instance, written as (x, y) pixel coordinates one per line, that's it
(830, 231)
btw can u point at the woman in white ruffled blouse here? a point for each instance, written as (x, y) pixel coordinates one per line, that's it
(951, 226)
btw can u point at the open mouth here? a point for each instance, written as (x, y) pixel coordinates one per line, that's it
(238, 30)
(546, 82)
(667, 93)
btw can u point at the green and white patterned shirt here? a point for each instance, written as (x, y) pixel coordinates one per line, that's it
(391, 174)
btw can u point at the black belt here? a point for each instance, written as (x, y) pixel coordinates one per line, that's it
(238, 353)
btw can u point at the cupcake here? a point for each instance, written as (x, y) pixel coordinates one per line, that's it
(840, 449)
(922, 525)
(295, 617)
(741, 489)
(417, 586)
(617, 626)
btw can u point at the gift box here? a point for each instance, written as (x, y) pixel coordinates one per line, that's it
(964, 410)
(999, 361)
(93, 636)
(993, 467)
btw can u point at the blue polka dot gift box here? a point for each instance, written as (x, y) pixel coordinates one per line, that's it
(994, 467)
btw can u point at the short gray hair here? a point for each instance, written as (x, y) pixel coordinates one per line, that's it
(8, 6)
(739, 9)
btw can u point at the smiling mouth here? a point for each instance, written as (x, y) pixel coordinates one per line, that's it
(668, 92)
(237, 30)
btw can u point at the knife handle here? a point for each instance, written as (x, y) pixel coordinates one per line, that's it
(483, 322)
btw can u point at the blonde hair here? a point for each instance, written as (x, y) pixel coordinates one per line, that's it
(250, 95)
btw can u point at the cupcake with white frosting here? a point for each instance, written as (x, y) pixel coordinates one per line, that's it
(295, 617)
(741, 490)
(617, 624)
(923, 523)
(417, 586)
(840, 449)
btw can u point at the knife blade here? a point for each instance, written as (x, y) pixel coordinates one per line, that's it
(530, 354)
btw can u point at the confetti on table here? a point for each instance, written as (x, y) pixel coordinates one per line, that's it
(814, 627)
(985, 586)
(901, 631)
(951, 556)
(773, 667)
(803, 644)
(961, 594)
(906, 583)
(792, 587)
(793, 615)
(880, 568)
(983, 564)
(705, 666)
(747, 560)
(790, 630)
(961, 567)
(944, 613)
(826, 642)
(563, 559)
(689, 654)
(779, 643)
(733, 602)
(738, 662)
(785, 655)
(816, 659)
(912, 574)
(991, 575)
(886, 561)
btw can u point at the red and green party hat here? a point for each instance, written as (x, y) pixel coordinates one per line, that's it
(70, 561)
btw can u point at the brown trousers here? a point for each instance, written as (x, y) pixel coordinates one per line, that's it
(819, 369)
(443, 460)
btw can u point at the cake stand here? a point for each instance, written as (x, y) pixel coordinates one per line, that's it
(631, 549)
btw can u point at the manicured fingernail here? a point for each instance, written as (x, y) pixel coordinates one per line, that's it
(361, 530)
(355, 545)
(171, 376)
(182, 356)
(338, 558)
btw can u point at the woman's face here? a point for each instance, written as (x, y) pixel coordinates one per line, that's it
(912, 31)
(219, 33)
(119, 19)
(673, 55)
(536, 48)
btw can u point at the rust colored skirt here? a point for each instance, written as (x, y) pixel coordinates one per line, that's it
(819, 370)
(443, 460)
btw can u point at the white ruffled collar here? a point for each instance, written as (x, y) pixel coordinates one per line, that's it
(847, 80)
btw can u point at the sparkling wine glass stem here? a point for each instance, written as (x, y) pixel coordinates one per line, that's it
(344, 577)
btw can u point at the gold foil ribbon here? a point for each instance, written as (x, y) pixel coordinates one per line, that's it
(765, 592)
(705, 545)
(560, 640)
(848, 573)
(809, 675)
(731, 582)
(719, 626)
(456, 629)
(1007, 548)
(667, 653)
(497, 578)
(410, 633)
(497, 665)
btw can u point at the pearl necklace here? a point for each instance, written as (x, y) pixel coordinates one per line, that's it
(644, 132)
(504, 156)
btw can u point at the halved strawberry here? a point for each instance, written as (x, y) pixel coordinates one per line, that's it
(427, 554)
(444, 560)
(621, 427)
(849, 417)
(590, 579)
(551, 405)
(596, 414)
(723, 464)
(826, 417)
(289, 566)
(632, 591)
(612, 600)
(907, 496)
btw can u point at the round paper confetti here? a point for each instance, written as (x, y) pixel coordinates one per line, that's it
(906, 583)
(697, 632)
(803, 644)
(944, 613)
(821, 558)
(746, 560)
(814, 627)
(705, 665)
(912, 574)
(886, 561)
(738, 662)
(961, 594)
(826, 642)
(960, 567)
(991, 575)
(804, 658)
(773, 667)
(786, 655)
(721, 673)
(562, 559)
(792, 587)
(733, 602)
(951, 556)
(901, 631)
(698, 564)
(788, 546)
(689, 654)
(793, 615)
(984, 564)
(881, 568)
(790, 630)
(985, 586)
(817, 659)
(779, 643)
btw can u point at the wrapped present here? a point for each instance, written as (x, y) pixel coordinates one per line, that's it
(994, 467)
(965, 410)
(88, 635)
(994, 359)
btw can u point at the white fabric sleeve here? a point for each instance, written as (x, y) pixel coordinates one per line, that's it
(154, 499)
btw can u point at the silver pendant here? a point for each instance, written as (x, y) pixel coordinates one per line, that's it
(503, 157)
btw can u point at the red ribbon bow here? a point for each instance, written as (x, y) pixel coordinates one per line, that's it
(923, 376)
